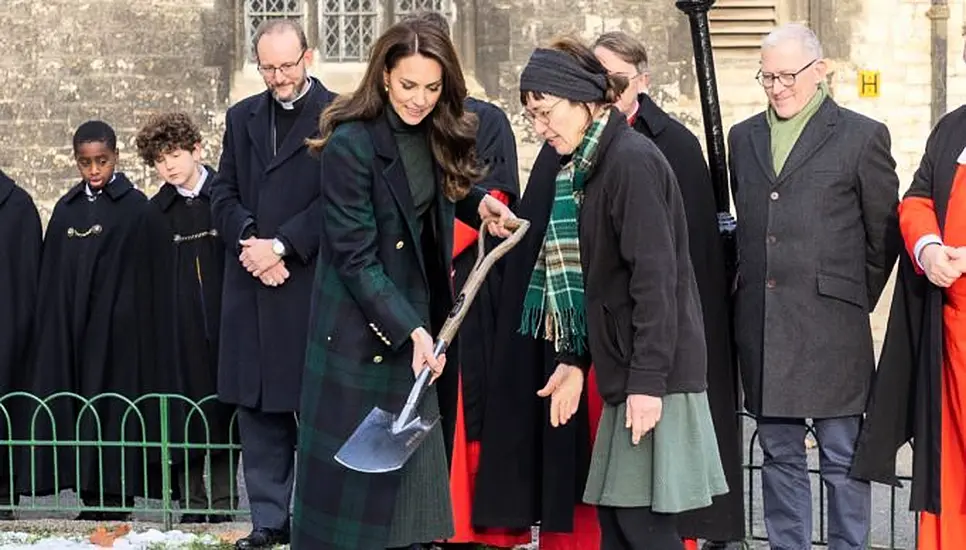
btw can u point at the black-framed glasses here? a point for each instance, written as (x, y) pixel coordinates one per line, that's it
(767, 80)
(284, 68)
(542, 116)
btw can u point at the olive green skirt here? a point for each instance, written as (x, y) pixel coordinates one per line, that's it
(424, 511)
(674, 468)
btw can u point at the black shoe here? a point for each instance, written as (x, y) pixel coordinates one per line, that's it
(718, 545)
(7, 515)
(263, 538)
(193, 518)
(219, 518)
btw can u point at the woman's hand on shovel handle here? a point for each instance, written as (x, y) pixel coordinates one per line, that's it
(423, 354)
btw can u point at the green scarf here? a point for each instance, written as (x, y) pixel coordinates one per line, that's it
(555, 296)
(786, 131)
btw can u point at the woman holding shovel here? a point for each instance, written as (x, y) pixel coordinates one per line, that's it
(604, 279)
(398, 161)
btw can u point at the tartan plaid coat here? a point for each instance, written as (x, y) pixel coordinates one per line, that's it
(376, 282)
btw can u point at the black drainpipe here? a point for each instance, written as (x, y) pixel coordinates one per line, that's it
(939, 43)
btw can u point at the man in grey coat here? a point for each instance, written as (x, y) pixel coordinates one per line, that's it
(816, 193)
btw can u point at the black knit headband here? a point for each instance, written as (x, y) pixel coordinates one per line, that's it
(557, 73)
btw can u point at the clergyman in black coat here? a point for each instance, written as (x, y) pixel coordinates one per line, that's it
(265, 204)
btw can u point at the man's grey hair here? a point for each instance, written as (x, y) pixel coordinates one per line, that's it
(276, 25)
(798, 33)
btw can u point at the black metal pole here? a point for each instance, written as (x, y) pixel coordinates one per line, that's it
(697, 12)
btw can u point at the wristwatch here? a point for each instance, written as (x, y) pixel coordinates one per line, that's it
(278, 247)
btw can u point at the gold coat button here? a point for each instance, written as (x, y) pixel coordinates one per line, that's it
(399, 245)
(377, 359)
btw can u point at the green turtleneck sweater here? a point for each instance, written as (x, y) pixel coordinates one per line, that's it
(417, 159)
(786, 131)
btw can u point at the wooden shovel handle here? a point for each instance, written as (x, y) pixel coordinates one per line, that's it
(483, 264)
(476, 277)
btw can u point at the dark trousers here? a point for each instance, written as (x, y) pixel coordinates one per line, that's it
(221, 478)
(786, 490)
(637, 529)
(268, 443)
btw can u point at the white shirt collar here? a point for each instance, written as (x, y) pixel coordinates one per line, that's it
(202, 178)
(91, 193)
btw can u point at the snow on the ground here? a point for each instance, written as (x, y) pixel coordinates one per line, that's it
(151, 538)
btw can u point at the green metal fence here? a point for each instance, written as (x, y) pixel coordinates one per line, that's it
(166, 451)
(161, 453)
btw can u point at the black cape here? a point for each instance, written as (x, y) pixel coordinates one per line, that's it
(724, 519)
(20, 247)
(497, 151)
(96, 332)
(528, 471)
(905, 403)
(193, 284)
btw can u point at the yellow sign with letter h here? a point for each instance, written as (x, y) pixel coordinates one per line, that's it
(869, 83)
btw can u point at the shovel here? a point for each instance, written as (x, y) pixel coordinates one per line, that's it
(384, 441)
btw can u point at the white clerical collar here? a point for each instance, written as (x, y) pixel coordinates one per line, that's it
(202, 177)
(289, 105)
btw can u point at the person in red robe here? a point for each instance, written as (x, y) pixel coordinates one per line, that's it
(940, 256)
(496, 148)
(920, 388)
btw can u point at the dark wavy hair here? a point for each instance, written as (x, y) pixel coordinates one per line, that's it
(453, 134)
(165, 133)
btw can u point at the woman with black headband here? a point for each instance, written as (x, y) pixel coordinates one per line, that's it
(610, 304)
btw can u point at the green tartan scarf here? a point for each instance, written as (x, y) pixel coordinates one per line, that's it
(555, 296)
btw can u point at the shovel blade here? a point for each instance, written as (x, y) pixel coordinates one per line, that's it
(375, 447)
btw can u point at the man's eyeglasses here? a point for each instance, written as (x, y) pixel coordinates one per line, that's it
(285, 68)
(767, 80)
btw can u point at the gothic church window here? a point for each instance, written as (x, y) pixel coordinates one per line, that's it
(343, 30)
(348, 28)
(257, 11)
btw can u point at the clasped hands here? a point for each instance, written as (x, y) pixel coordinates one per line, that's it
(261, 261)
(942, 264)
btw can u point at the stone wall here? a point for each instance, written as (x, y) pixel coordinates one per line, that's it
(67, 61)
(509, 30)
(889, 36)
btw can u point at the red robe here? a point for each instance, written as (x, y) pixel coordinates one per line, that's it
(917, 218)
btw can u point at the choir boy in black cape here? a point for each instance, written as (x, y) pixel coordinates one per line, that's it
(95, 333)
(20, 244)
(171, 143)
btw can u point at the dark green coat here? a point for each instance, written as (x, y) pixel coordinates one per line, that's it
(376, 282)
